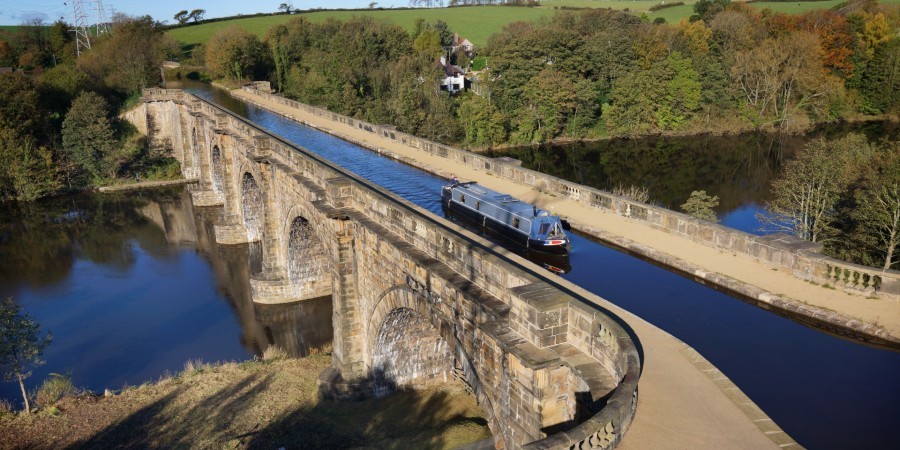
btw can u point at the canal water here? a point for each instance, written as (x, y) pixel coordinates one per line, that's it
(133, 286)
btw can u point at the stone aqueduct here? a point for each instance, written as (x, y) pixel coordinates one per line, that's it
(416, 299)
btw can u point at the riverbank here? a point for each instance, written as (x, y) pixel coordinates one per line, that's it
(690, 133)
(145, 185)
(252, 404)
(838, 311)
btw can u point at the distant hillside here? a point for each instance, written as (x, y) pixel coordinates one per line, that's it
(477, 23)
(474, 23)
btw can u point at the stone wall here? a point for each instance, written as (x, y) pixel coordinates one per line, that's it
(539, 361)
(781, 251)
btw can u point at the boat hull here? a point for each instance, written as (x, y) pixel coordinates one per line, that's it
(503, 229)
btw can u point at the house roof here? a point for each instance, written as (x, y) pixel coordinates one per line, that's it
(449, 69)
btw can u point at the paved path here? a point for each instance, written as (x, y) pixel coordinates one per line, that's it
(684, 401)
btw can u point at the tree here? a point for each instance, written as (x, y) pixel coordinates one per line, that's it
(286, 7)
(128, 58)
(20, 345)
(234, 53)
(88, 137)
(880, 84)
(782, 75)
(707, 9)
(27, 170)
(700, 205)
(197, 15)
(878, 207)
(181, 16)
(807, 194)
(481, 122)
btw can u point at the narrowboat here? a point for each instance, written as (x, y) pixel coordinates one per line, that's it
(516, 220)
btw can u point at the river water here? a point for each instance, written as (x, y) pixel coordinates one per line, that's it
(132, 286)
(176, 300)
(738, 169)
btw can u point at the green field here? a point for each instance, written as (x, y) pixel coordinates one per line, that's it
(479, 23)
(474, 23)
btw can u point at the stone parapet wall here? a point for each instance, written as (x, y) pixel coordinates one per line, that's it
(785, 252)
(510, 326)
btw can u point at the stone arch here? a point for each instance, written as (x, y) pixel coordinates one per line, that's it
(306, 258)
(401, 301)
(218, 171)
(406, 346)
(409, 352)
(252, 206)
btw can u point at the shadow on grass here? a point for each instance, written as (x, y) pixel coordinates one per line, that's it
(163, 424)
(405, 419)
(238, 415)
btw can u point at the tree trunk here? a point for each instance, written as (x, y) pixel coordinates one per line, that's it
(24, 395)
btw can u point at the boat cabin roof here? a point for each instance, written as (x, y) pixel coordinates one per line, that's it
(504, 201)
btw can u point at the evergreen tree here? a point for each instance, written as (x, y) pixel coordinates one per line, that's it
(88, 137)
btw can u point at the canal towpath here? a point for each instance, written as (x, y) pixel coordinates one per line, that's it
(684, 401)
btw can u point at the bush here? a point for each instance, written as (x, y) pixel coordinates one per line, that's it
(274, 353)
(6, 408)
(55, 389)
(163, 168)
(660, 6)
(700, 205)
(636, 193)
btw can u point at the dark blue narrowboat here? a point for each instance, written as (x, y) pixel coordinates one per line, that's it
(521, 222)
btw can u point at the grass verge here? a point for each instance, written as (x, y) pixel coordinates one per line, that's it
(260, 404)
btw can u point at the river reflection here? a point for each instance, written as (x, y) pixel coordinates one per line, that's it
(133, 285)
(739, 169)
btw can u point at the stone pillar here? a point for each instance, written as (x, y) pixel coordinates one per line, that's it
(348, 356)
(272, 284)
(273, 245)
(204, 195)
(232, 229)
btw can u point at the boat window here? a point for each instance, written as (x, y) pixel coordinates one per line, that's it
(515, 222)
(462, 198)
(477, 206)
(544, 228)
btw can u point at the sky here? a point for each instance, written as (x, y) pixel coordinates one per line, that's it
(14, 12)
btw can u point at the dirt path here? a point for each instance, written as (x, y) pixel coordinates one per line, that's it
(756, 279)
(684, 401)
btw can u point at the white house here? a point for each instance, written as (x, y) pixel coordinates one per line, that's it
(454, 78)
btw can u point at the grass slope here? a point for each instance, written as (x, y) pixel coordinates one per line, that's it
(249, 405)
(474, 23)
(479, 23)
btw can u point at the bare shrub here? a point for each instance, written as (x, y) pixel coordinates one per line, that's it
(54, 389)
(636, 193)
(274, 353)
